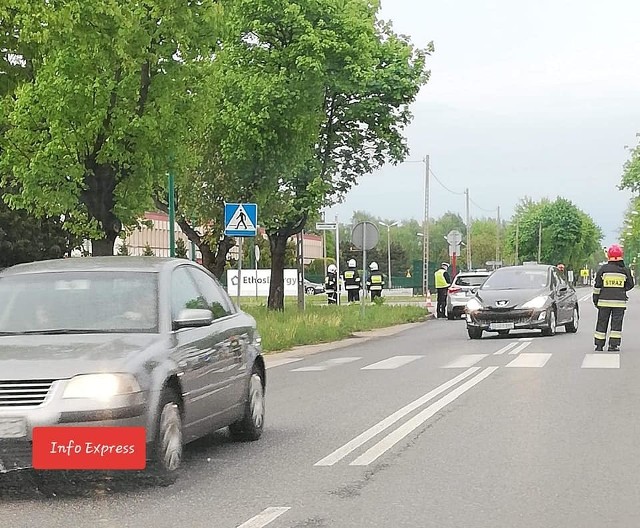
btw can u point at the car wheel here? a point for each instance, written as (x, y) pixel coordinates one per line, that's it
(311, 291)
(249, 428)
(474, 333)
(168, 445)
(572, 327)
(451, 315)
(551, 330)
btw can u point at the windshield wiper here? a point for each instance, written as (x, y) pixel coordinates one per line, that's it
(56, 331)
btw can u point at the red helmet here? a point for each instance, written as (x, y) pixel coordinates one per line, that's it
(560, 267)
(615, 252)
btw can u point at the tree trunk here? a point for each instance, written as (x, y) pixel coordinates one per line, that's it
(278, 246)
(104, 246)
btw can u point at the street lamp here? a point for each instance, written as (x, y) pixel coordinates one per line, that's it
(389, 226)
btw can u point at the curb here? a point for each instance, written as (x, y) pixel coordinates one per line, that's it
(356, 338)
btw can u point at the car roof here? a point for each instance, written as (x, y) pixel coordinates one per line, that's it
(529, 266)
(82, 264)
(478, 272)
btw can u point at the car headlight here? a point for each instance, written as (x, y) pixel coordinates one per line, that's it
(474, 305)
(101, 387)
(536, 303)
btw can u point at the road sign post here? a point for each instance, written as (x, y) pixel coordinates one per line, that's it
(240, 220)
(365, 236)
(328, 226)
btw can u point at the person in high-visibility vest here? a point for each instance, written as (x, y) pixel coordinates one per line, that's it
(610, 288)
(375, 281)
(352, 282)
(443, 281)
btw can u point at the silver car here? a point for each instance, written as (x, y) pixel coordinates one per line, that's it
(460, 291)
(125, 341)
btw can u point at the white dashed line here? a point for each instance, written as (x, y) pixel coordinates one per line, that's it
(283, 361)
(520, 348)
(466, 361)
(327, 364)
(600, 361)
(505, 348)
(530, 361)
(263, 519)
(391, 363)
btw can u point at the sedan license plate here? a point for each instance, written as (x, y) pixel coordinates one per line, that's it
(12, 428)
(501, 326)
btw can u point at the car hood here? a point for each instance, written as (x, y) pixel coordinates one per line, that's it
(513, 298)
(64, 356)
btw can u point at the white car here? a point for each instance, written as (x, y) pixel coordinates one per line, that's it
(460, 291)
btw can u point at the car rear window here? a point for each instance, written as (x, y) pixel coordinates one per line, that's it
(470, 280)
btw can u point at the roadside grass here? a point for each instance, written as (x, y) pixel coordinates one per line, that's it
(323, 324)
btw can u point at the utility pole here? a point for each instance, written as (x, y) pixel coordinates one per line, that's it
(517, 240)
(539, 242)
(172, 216)
(498, 238)
(425, 232)
(468, 232)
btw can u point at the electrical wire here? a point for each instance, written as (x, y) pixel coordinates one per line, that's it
(444, 186)
(482, 208)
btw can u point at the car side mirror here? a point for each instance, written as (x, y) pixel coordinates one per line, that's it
(192, 318)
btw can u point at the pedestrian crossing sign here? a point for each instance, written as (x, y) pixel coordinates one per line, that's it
(240, 220)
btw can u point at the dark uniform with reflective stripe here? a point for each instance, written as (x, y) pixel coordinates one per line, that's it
(612, 283)
(331, 288)
(352, 282)
(375, 283)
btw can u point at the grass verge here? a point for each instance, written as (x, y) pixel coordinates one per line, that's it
(323, 324)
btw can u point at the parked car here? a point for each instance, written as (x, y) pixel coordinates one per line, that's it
(313, 288)
(125, 341)
(523, 297)
(460, 290)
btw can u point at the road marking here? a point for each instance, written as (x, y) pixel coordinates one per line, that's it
(391, 363)
(505, 348)
(601, 361)
(359, 440)
(526, 339)
(266, 517)
(282, 361)
(327, 364)
(589, 296)
(401, 432)
(530, 360)
(466, 361)
(520, 348)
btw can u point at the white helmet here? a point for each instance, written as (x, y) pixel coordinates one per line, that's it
(352, 263)
(332, 268)
(445, 265)
(373, 266)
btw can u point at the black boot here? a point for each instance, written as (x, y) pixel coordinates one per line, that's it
(599, 348)
(614, 348)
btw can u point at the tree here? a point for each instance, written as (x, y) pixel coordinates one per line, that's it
(631, 170)
(370, 78)
(24, 238)
(569, 235)
(181, 249)
(112, 97)
(148, 252)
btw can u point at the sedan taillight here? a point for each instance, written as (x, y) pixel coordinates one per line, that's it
(455, 290)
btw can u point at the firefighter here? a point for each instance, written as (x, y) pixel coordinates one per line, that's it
(331, 284)
(375, 282)
(610, 288)
(443, 281)
(352, 282)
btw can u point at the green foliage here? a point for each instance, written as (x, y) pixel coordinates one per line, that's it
(569, 235)
(631, 170)
(113, 87)
(181, 249)
(24, 238)
(148, 252)
(123, 251)
(321, 324)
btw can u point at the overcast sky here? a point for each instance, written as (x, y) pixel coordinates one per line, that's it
(525, 99)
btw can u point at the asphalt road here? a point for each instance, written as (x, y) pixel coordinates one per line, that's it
(421, 429)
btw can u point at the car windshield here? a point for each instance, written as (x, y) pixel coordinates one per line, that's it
(87, 302)
(472, 281)
(517, 279)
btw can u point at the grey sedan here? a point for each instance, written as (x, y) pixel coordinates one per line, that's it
(125, 341)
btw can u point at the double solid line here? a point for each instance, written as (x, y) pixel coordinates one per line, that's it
(393, 438)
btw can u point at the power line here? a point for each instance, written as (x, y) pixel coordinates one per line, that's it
(444, 186)
(482, 208)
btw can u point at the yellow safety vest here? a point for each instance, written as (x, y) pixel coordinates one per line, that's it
(441, 282)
